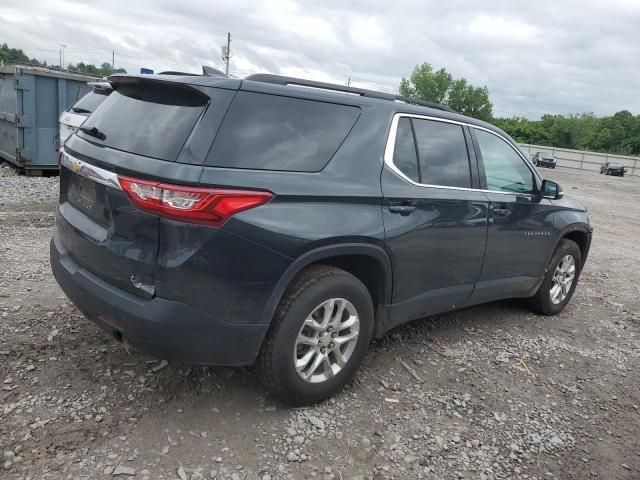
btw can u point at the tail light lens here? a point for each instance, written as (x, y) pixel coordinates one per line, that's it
(205, 206)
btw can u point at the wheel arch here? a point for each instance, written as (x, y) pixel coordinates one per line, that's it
(579, 233)
(369, 263)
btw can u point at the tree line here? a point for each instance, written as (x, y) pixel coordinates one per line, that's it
(10, 55)
(617, 134)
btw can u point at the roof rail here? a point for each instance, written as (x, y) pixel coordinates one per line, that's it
(284, 80)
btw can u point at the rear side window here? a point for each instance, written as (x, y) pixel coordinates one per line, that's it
(270, 132)
(150, 119)
(432, 153)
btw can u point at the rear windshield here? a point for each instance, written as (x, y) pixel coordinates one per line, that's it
(270, 132)
(150, 119)
(88, 104)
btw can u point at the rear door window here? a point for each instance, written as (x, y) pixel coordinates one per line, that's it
(442, 154)
(271, 132)
(150, 119)
(432, 153)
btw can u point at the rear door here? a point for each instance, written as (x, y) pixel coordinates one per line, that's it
(520, 233)
(144, 129)
(435, 216)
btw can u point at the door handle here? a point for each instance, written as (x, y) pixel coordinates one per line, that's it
(501, 212)
(403, 207)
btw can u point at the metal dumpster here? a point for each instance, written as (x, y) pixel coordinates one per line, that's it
(31, 100)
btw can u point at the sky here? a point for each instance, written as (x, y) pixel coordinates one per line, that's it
(535, 57)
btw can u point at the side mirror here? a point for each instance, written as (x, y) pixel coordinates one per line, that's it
(551, 190)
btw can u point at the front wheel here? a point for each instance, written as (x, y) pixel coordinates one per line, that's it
(319, 336)
(560, 280)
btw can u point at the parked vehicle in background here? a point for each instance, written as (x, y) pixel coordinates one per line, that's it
(279, 222)
(544, 159)
(75, 115)
(613, 168)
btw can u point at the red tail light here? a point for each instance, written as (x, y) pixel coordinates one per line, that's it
(205, 206)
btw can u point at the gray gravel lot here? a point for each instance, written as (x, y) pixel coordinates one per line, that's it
(502, 393)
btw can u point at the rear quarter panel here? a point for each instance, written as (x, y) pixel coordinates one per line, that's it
(234, 271)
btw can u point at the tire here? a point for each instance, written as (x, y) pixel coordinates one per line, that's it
(305, 295)
(542, 302)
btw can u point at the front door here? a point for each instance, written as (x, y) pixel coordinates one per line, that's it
(435, 216)
(520, 234)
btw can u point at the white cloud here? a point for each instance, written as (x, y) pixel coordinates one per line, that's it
(507, 29)
(535, 57)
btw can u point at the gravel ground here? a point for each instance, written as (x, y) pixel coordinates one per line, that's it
(488, 392)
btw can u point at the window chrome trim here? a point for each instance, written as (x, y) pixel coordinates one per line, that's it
(391, 144)
(84, 169)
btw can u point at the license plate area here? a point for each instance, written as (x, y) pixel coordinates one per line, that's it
(90, 198)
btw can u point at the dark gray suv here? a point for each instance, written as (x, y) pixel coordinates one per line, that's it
(285, 223)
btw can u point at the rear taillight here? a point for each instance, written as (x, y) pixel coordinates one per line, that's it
(59, 154)
(205, 206)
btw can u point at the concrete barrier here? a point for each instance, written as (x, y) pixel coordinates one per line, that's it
(584, 160)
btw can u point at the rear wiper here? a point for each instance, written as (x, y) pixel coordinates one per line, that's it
(94, 132)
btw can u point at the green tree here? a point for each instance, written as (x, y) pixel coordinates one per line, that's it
(439, 86)
(103, 70)
(618, 134)
(16, 55)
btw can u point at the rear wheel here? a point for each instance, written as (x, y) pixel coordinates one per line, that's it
(319, 336)
(560, 280)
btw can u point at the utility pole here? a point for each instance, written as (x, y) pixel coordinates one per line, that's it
(113, 60)
(348, 81)
(62, 56)
(226, 53)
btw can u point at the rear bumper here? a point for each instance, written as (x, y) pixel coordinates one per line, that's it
(162, 328)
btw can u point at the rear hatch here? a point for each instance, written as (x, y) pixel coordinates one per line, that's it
(139, 131)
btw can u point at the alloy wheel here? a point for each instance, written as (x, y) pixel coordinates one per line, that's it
(326, 340)
(562, 279)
